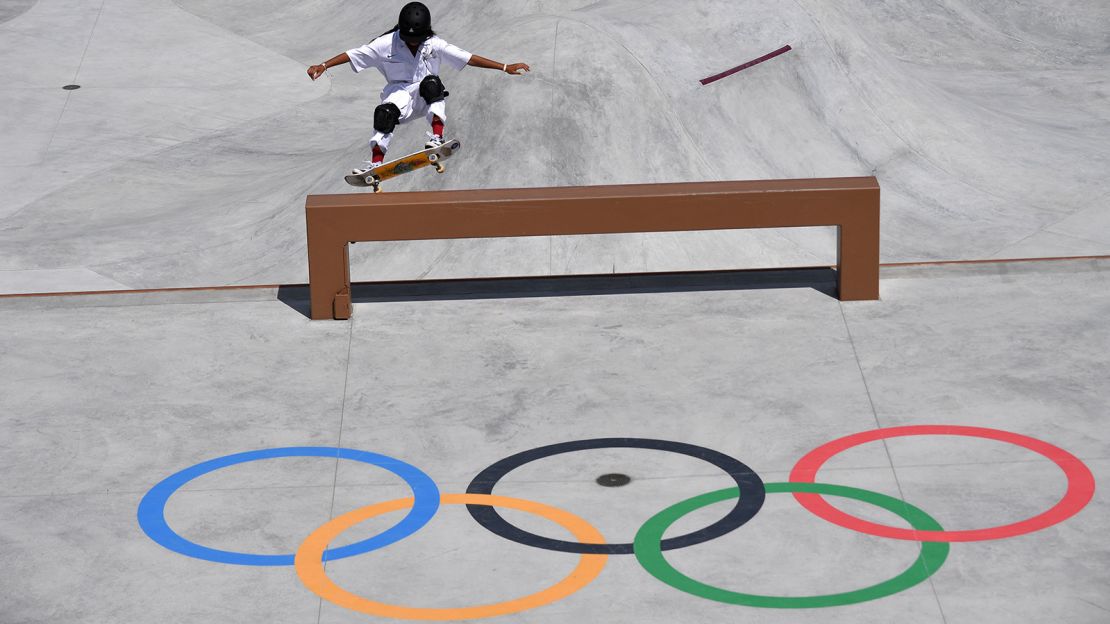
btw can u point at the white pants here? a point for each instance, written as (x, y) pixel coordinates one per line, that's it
(407, 98)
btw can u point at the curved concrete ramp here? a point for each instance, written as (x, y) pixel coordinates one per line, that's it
(185, 158)
(15, 8)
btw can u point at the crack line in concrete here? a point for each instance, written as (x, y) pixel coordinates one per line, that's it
(69, 94)
(886, 448)
(339, 441)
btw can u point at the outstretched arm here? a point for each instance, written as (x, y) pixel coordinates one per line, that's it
(316, 71)
(508, 68)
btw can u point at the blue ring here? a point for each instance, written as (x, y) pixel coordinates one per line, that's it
(152, 509)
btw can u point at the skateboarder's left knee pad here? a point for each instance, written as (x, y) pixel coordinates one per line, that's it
(432, 90)
(386, 117)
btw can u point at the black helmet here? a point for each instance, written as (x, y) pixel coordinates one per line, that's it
(415, 20)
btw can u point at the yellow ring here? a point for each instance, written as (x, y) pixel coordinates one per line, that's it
(310, 566)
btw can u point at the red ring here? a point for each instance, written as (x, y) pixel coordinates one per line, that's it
(1081, 484)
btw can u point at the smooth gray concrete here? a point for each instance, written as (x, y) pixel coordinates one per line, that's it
(103, 399)
(185, 157)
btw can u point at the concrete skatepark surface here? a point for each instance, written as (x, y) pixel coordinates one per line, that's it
(185, 157)
(184, 160)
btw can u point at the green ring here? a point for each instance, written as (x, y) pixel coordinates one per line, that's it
(648, 553)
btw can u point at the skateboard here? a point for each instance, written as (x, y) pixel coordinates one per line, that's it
(433, 156)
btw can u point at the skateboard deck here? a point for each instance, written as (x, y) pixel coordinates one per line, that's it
(432, 156)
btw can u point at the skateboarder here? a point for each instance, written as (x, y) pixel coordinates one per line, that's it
(409, 56)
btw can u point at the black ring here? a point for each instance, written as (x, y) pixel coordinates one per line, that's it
(747, 505)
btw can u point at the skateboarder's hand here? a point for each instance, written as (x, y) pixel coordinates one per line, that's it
(316, 71)
(515, 68)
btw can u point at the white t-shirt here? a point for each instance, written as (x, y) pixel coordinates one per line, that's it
(389, 55)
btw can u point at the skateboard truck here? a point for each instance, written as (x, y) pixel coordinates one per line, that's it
(434, 159)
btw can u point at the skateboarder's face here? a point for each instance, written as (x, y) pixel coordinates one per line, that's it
(413, 41)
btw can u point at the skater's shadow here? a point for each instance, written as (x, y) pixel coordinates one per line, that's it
(821, 279)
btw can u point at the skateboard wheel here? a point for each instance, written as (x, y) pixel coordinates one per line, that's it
(439, 168)
(433, 157)
(455, 145)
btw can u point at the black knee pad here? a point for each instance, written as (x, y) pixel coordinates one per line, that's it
(431, 89)
(386, 117)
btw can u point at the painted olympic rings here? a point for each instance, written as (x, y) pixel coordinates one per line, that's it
(651, 557)
(311, 569)
(648, 546)
(747, 504)
(152, 508)
(1081, 484)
